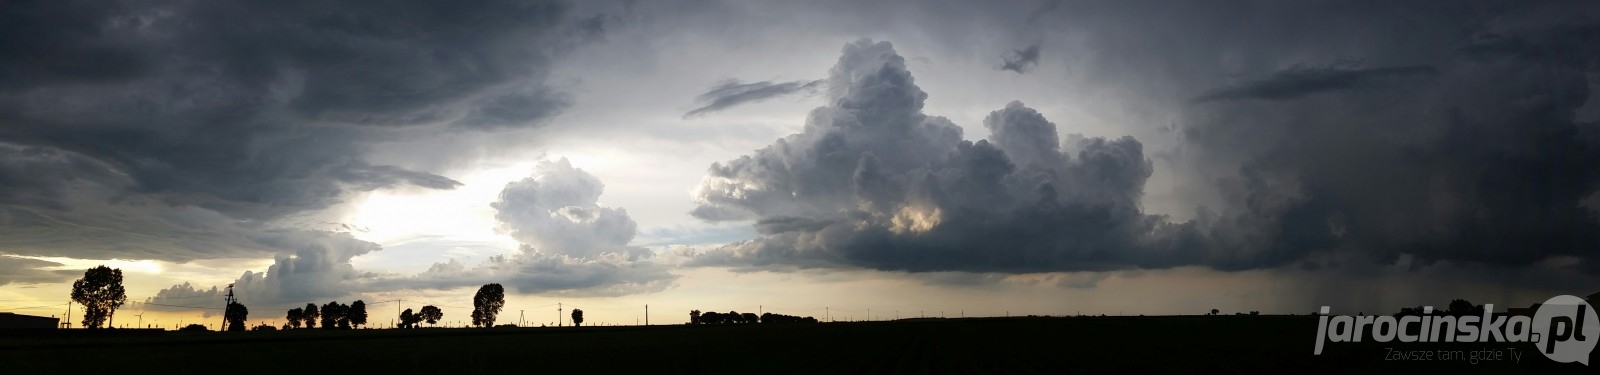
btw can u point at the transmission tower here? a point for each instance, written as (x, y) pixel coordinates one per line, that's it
(229, 300)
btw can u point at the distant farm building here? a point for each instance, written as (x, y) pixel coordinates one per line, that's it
(14, 321)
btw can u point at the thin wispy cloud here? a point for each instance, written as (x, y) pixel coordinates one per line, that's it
(733, 93)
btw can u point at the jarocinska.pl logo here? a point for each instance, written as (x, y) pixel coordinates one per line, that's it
(1565, 328)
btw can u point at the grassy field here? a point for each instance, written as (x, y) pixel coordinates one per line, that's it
(1194, 344)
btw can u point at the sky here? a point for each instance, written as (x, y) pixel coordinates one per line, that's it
(847, 160)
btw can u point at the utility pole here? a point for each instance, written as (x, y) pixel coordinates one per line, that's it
(647, 315)
(229, 298)
(828, 313)
(67, 319)
(761, 309)
(558, 314)
(522, 315)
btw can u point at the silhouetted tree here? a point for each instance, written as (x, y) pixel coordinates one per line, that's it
(1461, 307)
(335, 315)
(431, 314)
(750, 318)
(694, 316)
(294, 317)
(194, 327)
(1410, 311)
(310, 315)
(100, 292)
(344, 316)
(770, 318)
(235, 315)
(357, 314)
(408, 320)
(487, 303)
(1215, 311)
(577, 317)
(264, 327)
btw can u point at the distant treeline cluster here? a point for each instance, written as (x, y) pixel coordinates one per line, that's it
(734, 317)
(332, 315)
(429, 313)
(1458, 307)
(101, 292)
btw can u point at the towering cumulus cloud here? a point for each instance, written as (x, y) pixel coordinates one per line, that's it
(570, 245)
(1492, 169)
(557, 211)
(874, 182)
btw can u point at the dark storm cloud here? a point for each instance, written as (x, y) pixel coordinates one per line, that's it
(30, 271)
(1484, 162)
(1300, 81)
(1044, 9)
(873, 182)
(187, 130)
(1443, 154)
(733, 93)
(1022, 60)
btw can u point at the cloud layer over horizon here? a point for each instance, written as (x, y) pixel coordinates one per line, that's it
(873, 182)
(309, 151)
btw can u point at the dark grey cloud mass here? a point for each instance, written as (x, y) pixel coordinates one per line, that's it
(1022, 60)
(874, 182)
(733, 93)
(1464, 154)
(191, 130)
(30, 271)
(1299, 81)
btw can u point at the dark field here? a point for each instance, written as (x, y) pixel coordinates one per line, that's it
(1198, 344)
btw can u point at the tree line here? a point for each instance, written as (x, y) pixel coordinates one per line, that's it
(333, 315)
(734, 317)
(100, 291)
